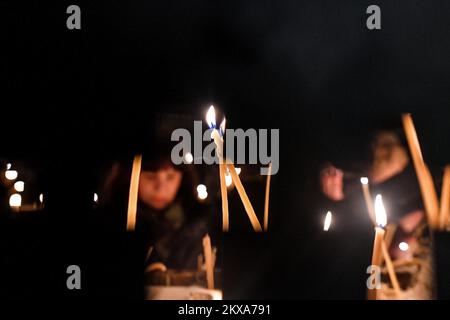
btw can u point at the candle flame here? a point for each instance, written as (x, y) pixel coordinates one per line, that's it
(188, 158)
(19, 186)
(403, 246)
(15, 200)
(228, 179)
(211, 117)
(222, 127)
(364, 180)
(41, 198)
(11, 174)
(327, 223)
(380, 211)
(202, 192)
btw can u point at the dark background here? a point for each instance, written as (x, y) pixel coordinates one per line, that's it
(73, 99)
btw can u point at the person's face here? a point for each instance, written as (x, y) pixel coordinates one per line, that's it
(158, 189)
(332, 183)
(385, 145)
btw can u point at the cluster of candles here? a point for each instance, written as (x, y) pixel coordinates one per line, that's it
(380, 247)
(437, 213)
(15, 200)
(228, 174)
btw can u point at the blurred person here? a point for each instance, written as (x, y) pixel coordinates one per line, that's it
(170, 218)
(390, 174)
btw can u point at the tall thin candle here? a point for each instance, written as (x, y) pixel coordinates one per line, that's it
(133, 195)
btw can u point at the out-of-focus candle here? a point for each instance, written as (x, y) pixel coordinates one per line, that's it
(327, 222)
(15, 201)
(208, 262)
(445, 199)
(367, 198)
(188, 158)
(403, 246)
(11, 174)
(423, 174)
(202, 192)
(19, 186)
(133, 195)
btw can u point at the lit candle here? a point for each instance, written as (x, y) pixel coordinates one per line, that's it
(133, 196)
(11, 174)
(367, 198)
(380, 218)
(19, 186)
(218, 140)
(202, 192)
(327, 222)
(208, 261)
(15, 201)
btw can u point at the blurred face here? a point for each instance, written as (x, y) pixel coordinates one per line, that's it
(332, 183)
(385, 144)
(158, 189)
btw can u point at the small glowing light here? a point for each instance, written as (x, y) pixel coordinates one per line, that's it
(188, 158)
(11, 174)
(201, 192)
(403, 246)
(327, 222)
(95, 197)
(228, 179)
(203, 195)
(41, 198)
(238, 171)
(364, 180)
(380, 211)
(19, 186)
(8, 166)
(222, 127)
(15, 200)
(201, 188)
(211, 117)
